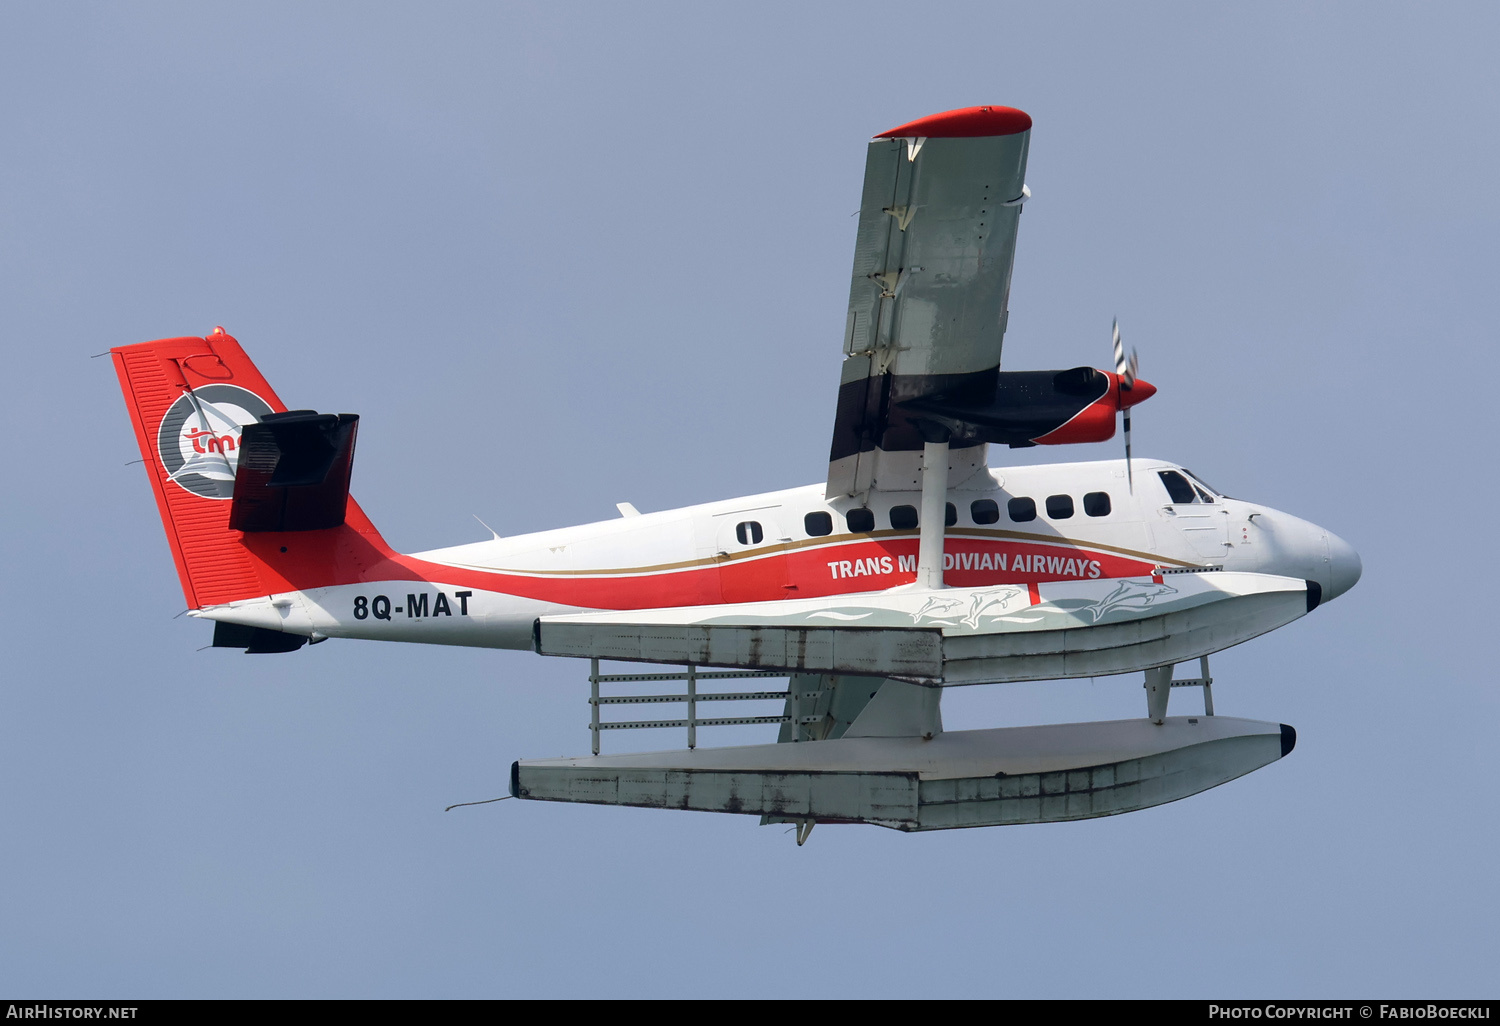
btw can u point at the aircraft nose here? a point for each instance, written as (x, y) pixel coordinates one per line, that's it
(1345, 566)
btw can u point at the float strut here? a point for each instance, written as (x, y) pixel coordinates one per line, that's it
(934, 513)
(692, 700)
(1158, 690)
(594, 703)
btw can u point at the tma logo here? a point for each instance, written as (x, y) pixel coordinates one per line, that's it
(199, 438)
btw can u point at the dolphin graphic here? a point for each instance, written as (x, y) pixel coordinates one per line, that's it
(984, 601)
(1129, 594)
(939, 608)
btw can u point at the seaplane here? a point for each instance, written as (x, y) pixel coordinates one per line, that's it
(915, 567)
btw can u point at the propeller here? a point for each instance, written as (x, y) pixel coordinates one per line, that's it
(1126, 369)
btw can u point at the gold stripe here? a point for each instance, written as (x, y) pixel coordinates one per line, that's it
(835, 539)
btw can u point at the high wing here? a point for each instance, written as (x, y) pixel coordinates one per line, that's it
(930, 287)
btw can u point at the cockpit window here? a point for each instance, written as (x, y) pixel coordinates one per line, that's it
(1210, 489)
(1202, 494)
(1177, 486)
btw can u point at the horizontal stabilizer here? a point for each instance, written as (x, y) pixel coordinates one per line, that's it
(969, 778)
(255, 640)
(293, 472)
(1007, 632)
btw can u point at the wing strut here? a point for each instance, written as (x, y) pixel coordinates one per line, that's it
(934, 513)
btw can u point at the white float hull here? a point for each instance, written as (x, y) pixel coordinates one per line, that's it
(967, 778)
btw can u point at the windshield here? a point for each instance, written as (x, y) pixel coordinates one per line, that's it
(1199, 481)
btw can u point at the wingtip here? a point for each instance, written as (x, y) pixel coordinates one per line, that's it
(964, 123)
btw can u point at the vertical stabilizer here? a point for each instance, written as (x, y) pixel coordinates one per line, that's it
(190, 400)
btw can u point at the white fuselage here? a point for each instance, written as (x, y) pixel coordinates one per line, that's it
(1082, 522)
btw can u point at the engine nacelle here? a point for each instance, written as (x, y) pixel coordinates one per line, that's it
(1035, 408)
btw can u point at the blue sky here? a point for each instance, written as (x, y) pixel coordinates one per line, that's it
(560, 256)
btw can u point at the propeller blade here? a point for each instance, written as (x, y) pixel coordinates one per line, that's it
(1126, 369)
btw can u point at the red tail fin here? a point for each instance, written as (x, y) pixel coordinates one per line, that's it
(189, 398)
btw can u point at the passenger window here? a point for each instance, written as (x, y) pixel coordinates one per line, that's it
(903, 518)
(1021, 510)
(1059, 507)
(950, 515)
(1096, 504)
(984, 511)
(861, 521)
(749, 533)
(1177, 486)
(818, 524)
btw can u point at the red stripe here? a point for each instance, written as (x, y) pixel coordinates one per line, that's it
(317, 559)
